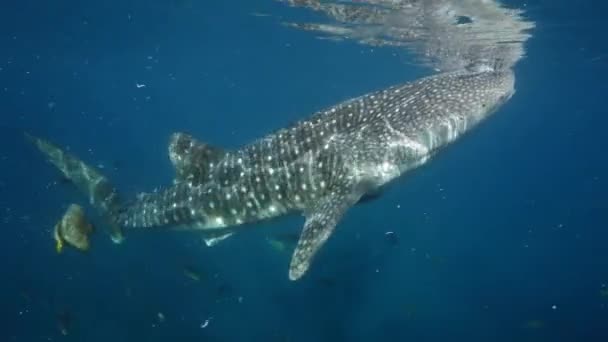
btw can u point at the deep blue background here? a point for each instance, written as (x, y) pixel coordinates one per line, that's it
(501, 238)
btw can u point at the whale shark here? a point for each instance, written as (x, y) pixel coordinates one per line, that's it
(319, 167)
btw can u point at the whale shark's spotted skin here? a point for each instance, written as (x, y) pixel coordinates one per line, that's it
(320, 166)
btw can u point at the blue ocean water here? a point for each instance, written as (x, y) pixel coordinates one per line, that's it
(501, 238)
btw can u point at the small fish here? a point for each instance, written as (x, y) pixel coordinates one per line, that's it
(259, 14)
(604, 292)
(283, 242)
(192, 273)
(64, 321)
(58, 243)
(276, 244)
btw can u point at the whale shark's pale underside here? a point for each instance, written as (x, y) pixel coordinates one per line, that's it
(320, 166)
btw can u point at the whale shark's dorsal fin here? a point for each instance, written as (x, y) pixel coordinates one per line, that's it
(193, 160)
(320, 223)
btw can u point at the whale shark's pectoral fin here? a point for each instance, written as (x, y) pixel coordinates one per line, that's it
(192, 159)
(320, 223)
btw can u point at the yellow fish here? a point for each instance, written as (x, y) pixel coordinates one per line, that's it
(58, 242)
(73, 229)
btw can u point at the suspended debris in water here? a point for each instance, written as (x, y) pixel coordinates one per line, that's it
(534, 324)
(25, 296)
(604, 292)
(410, 310)
(161, 317)
(327, 281)
(391, 238)
(73, 229)
(117, 164)
(63, 180)
(206, 323)
(224, 291)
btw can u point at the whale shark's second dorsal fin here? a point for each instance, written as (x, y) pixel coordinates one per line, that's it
(193, 160)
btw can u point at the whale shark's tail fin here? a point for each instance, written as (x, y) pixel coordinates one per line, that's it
(102, 195)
